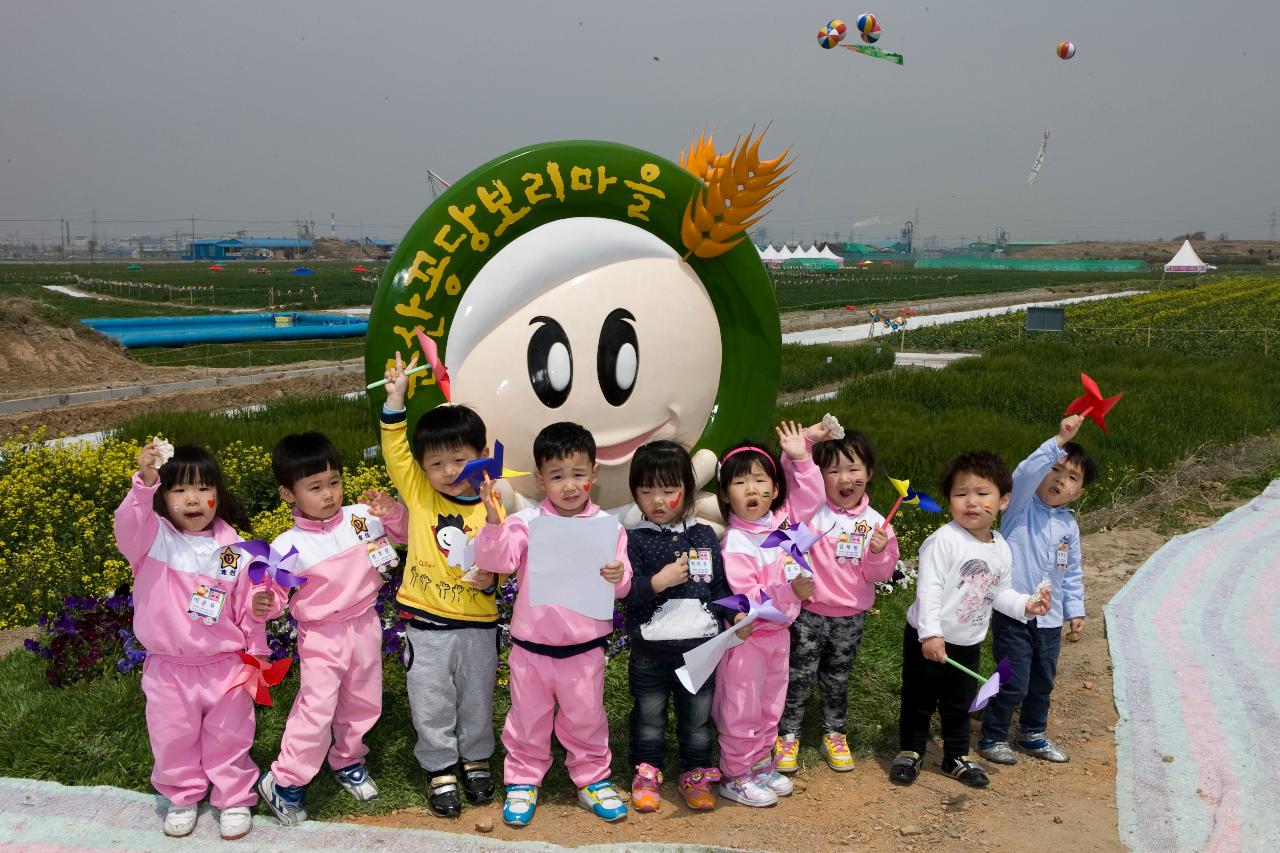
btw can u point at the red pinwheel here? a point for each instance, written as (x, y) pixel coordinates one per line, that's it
(432, 355)
(1091, 404)
(256, 677)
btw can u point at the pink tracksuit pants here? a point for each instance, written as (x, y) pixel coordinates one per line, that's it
(538, 685)
(751, 689)
(200, 733)
(339, 700)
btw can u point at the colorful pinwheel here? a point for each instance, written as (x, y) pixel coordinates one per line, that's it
(795, 541)
(256, 677)
(911, 497)
(1091, 403)
(265, 560)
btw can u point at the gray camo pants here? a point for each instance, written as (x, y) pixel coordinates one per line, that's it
(823, 649)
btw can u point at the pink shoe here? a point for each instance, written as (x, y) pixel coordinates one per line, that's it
(645, 796)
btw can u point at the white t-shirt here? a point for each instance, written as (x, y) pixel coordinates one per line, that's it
(960, 579)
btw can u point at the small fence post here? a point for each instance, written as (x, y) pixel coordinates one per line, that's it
(1148, 337)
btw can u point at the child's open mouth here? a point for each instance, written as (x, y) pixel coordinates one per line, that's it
(752, 503)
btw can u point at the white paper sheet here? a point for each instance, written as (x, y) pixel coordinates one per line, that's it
(701, 662)
(565, 559)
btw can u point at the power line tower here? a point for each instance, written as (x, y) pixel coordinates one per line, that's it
(1271, 235)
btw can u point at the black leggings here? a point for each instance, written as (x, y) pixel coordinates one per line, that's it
(927, 687)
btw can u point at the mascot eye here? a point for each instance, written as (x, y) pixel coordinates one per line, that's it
(618, 358)
(550, 363)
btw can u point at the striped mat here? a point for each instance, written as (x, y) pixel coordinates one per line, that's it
(1195, 644)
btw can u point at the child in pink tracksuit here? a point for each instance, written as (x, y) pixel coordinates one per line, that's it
(342, 554)
(557, 659)
(751, 680)
(857, 551)
(194, 610)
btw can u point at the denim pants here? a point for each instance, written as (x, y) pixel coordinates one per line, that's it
(1033, 652)
(653, 682)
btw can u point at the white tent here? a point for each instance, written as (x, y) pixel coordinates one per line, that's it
(812, 252)
(785, 252)
(828, 254)
(1187, 260)
(770, 255)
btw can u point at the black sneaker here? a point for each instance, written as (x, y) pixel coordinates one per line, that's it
(966, 770)
(477, 782)
(905, 767)
(442, 794)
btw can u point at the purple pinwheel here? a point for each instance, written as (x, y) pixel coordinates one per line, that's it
(795, 541)
(990, 686)
(763, 609)
(265, 560)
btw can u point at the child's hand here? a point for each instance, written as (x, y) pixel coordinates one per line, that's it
(479, 578)
(791, 438)
(879, 539)
(934, 649)
(261, 604)
(818, 432)
(398, 381)
(379, 502)
(802, 585)
(491, 499)
(672, 574)
(745, 631)
(149, 463)
(612, 571)
(1077, 628)
(1068, 428)
(1039, 606)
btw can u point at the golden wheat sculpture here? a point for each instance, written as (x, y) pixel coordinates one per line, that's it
(738, 185)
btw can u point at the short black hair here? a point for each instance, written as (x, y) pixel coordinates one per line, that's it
(854, 446)
(982, 463)
(738, 464)
(663, 463)
(303, 455)
(1076, 456)
(448, 427)
(561, 440)
(195, 465)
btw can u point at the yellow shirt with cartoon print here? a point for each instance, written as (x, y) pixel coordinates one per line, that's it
(432, 590)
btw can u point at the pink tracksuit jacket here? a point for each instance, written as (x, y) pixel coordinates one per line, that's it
(339, 639)
(200, 733)
(547, 692)
(751, 680)
(842, 585)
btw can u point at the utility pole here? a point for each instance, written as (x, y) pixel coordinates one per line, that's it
(193, 239)
(1272, 234)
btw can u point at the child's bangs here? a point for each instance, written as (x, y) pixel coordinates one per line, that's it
(187, 473)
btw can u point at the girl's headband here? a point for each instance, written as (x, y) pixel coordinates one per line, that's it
(748, 448)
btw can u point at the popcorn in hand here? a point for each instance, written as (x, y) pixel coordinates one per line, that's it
(833, 426)
(165, 448)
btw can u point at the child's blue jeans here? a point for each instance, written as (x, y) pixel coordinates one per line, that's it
(653, 682)
(1033, 652)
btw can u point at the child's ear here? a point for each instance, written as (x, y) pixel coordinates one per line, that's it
(286, 495)
(595, 472)
(1004, 502)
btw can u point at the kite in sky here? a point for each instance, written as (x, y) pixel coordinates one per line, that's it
(1035, 167)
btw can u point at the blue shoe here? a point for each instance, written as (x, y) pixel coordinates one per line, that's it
(521, 801)
(355, 779)
(603, 800)
(286, 801)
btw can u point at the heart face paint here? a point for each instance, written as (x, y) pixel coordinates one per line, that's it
(675, 502)
(212, 501)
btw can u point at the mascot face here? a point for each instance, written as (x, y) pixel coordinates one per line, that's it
(595, 283)
(592, 321)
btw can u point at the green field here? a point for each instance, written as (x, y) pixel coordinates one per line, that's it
(814, 289)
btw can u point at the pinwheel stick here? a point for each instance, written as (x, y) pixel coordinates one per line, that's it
(496, 502)
(888, 518)
(965, 669)
(409, 372)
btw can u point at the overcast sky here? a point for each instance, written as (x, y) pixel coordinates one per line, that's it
(1166, 121)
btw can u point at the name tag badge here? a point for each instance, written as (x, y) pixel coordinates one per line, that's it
(850, 548)
(228, 564)
(1064, 551)
(791, 569)
(206, 603)
(700, 565)
(382, 555)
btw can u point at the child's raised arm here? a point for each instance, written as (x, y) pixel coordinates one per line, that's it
(1030, 471)
(806, 493)
(407, 476)
(136, 523)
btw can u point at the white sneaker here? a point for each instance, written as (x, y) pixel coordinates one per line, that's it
(749, 791)
(235, 822)
(180, 820)
(771, 778)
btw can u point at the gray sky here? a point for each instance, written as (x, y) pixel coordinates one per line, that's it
(1165, 121)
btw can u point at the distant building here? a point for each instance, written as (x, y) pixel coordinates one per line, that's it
(236, 248)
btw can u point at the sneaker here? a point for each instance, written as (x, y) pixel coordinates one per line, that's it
(997, 752)
(234, 822)
(786, 751)
(835, 749)
(767, 772)
(287, 802)
(477, 782)
(180, 820)
(521, 801)
(355, 779)
(645, 795)
(749, 791)
(905, 767)
(966, 770)
(695, 785)
(442, 795)
(1041, 747)
(603, 800)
